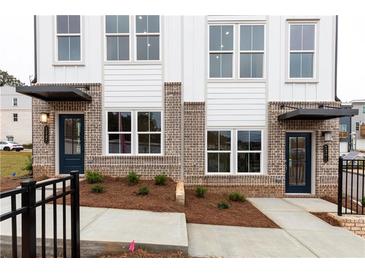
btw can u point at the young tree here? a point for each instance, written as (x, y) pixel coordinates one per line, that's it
(7, 79)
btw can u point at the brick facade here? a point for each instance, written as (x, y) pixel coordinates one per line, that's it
(184, 145)
(354, 223)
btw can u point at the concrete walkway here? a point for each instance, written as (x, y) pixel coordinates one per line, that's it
(106, 230)
(320, 238)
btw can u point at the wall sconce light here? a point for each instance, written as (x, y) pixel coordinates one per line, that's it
(44, 120)
(44, 117)
(327, 136)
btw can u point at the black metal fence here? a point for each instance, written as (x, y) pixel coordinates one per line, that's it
(28, 212)
(351, 183)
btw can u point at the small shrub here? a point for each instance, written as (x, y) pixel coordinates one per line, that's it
(133, 178)
(200, 192)
(363, 201)
(29, 165)
(93, 177)
(223, 205)
(160, 180)
(237, 197)
(97, 188)
(27, 146)
(143, 191)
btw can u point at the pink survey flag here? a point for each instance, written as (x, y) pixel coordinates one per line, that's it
(132, 246)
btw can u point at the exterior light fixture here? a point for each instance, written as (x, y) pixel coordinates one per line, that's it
(44, 117)
(327, 136)
(44, 120)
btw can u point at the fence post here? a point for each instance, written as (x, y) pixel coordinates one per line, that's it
(75, 215)
(339, 196)
(29, 240)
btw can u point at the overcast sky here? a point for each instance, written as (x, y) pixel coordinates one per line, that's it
(16, 51)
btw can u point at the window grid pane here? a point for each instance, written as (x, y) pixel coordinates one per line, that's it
(149, 132)
(221, 51)
(249, 151)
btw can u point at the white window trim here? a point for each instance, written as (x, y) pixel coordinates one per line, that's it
(57, 62)
(249, 151)
(233, 51)
(129, 34)
(314, 79)
(218, 151)
(119, 132)
(251, 51)
(134, 133)
(234, 151)
(135, 35)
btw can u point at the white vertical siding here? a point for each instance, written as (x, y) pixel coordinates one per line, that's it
(172, 48)
(91, 69)
(194, 58)
(278, 86)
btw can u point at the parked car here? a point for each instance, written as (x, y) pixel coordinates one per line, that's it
(8, 145)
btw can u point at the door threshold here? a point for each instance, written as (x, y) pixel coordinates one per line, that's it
(296, 194)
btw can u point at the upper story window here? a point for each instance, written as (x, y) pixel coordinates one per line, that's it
(117, 31)
(15, 102)
(147, 37)
(302, 50)
(221, 51)
(252, 45)
(68, 38)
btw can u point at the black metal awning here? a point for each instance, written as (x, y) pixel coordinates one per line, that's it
(54, 93)
(317, 114)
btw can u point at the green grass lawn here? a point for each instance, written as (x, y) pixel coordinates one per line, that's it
(12, 161)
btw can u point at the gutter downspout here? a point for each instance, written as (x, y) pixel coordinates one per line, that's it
(34, 81)
(336, 56)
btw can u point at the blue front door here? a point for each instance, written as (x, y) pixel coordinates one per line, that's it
(71, 140)
(298, 162)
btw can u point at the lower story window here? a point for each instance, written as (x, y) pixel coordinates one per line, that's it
(149, 132)
(219, 151)
(248, 151)
(15, 117)
(120, 132)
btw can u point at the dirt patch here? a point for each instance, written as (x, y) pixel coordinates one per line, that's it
(7, 183)
(140, 253)
(205, 211)
(118, 194)
(325, 217)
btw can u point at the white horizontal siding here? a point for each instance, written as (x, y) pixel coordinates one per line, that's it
(236, 104)
(133, 86)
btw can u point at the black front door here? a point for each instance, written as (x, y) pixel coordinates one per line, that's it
(298, 162)
(71, 140)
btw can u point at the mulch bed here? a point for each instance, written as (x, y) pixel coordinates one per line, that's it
(7, 183)
(140, 253)
(324, 217)
(118, 194)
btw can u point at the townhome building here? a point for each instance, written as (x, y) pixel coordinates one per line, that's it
(15, 116)
(222, 101)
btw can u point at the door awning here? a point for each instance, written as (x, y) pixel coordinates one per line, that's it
(318, 114)
(54, 93)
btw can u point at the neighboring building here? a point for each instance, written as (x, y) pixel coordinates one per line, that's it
(358, 125)
(345, 131)
(247, 101)
(15, 116)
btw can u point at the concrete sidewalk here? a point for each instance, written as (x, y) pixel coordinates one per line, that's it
(322, 239)
(106, 230)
